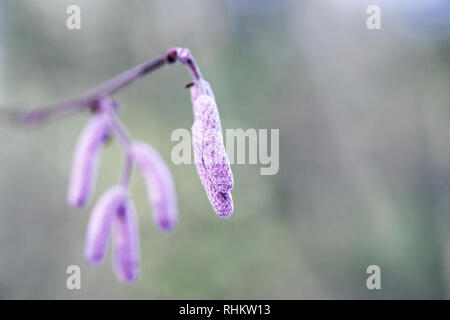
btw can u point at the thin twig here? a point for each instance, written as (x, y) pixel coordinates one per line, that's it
(40, 114)
(127, 170)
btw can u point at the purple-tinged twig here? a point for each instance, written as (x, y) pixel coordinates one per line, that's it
(90, 99)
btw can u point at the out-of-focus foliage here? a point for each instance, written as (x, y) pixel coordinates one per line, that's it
(364, 148)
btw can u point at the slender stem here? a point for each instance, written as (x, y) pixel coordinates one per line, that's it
(185, 56)
(127, 169)
(43, 113)
(122, 80)
(120, 132)
(109, 107)
(89, 99)
(124, 138)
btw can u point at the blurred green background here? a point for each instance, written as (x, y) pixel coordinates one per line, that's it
(364, 119)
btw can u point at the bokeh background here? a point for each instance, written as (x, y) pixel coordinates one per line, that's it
(364, 119)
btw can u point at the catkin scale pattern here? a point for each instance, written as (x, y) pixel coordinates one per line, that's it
(210, 157)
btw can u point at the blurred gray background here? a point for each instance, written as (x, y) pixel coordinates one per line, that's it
(364, 119)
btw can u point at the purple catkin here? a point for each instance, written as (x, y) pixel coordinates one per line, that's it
(214, 154)
(85, 159)
(126, 243)
(222, 203)
(160, 185)
(210, 156)
(100, 222)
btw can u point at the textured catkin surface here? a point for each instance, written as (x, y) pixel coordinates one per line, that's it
(126, 243)
(210, 157)
(213, 150)
(86, 160)
(101, 221)
(160, 185)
